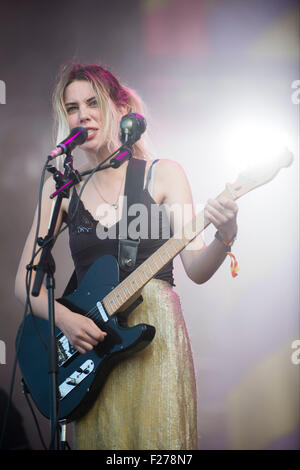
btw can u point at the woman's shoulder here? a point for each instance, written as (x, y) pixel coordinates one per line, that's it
(169, 178)
(165, 164)
(168, 170)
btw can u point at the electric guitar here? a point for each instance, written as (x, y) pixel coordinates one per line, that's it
(101, 297)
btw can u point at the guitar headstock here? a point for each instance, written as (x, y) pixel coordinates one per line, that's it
(255, 177)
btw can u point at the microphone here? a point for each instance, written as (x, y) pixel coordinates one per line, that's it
(132, 126)
(77, 136)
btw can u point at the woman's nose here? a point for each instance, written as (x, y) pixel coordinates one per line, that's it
(83, 115)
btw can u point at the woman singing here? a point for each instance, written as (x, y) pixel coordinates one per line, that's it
(148, 400)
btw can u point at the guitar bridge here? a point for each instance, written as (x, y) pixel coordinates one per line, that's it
(76, 378)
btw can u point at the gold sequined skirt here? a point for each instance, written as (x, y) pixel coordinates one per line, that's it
(149, 400)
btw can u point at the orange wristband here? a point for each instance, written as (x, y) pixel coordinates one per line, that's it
(233, 262)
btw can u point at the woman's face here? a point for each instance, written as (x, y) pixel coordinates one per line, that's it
(83, 110)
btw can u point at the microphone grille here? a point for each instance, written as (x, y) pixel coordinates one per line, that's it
(81, 136)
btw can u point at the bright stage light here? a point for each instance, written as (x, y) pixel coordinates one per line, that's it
(251, 144)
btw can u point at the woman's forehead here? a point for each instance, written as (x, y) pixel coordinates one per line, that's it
(78, 90)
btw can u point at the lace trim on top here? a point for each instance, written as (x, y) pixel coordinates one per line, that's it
(83, 221)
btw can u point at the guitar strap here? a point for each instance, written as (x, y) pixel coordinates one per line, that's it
(127, 246)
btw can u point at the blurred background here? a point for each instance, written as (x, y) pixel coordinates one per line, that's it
(221, 81)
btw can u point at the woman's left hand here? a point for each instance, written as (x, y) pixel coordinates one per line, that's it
(222, 212)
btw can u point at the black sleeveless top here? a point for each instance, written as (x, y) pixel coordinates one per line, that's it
(141, 217)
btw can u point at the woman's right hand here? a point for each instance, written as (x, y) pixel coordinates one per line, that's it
(81, 331)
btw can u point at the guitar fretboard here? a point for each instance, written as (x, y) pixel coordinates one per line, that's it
(149, 268)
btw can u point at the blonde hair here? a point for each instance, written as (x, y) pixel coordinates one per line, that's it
(111, 96)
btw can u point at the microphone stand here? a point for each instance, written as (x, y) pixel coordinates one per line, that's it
(46, 266)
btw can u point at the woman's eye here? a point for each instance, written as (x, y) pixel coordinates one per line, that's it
(71, 109)
(94, 103)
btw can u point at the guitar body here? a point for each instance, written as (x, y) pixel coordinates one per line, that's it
(80, 376)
